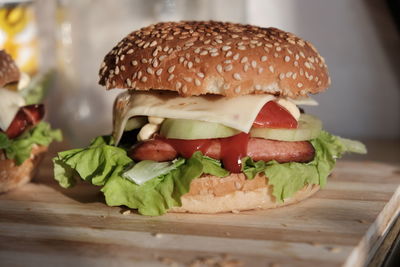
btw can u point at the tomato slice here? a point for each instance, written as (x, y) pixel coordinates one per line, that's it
(273, 115)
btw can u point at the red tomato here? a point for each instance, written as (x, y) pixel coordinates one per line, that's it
(273, 115)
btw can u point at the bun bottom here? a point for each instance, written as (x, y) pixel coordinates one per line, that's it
(211, 194)
(12, 176)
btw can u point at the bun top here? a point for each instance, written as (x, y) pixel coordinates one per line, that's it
(197, 57)
(9, 72)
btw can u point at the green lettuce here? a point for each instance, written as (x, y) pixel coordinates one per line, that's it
(19, 149)
(108, 166)
(103, 164)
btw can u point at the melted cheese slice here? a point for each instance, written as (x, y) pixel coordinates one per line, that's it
(237, 112)
(10, 102)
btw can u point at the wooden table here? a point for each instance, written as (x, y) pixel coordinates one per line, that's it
(42, 224)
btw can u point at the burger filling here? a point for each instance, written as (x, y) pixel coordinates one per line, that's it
(21, 125)
(161, 142)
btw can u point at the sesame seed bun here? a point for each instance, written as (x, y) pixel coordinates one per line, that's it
(211, 194)
(12, 175)
(9, 72)
(197, 58)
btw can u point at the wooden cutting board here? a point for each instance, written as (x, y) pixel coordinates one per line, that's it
(42, 224)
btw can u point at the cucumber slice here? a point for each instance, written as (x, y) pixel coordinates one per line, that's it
(309, 128)
(135, 122)
(193, 129)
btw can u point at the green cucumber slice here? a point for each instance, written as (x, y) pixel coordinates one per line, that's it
(193, 129)
(309, 128)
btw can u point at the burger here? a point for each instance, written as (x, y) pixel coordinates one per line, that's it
(209, 121)
(24, 137)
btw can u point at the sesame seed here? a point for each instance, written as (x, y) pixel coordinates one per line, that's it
(170, 77)
(288, 74)
(281, 76)
(228, 61)
(197, 82)
(254, 64)
(294, 76)
(299, 85)
(244, 60)
(150, 70)
(128, 82)
(228, 54)
(122, 57)
(319, 83)
(144, 61)
(271, 68)
(203, 53)
(154, 43)
(184, 89)
(213, 50)
(237, 76)
(226, 86)
(159, 71)
(297, 56)
(200, 74)
(116, 70)
(257, 87)
(214, 54)
(236, 56)
(197, 50)
(190, 65)
(161, 58)
(181, 59)
(275, 55)
(228, 67)
(178, 85)
(146, 45)
(287, 58)
(171, 69)
(246, 67)
(302, 54)
(241, 47)
(310, 77)
(155, 63)
(308, 66)
(188, 79)
(219, 68)
(263, 58)
(226, 48)
(237, 89)
(260, 70)
(278, 49)
(144, 79)
(166, 48)
(296, 63)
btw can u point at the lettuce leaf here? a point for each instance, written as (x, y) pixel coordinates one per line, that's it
(288, 178)
(19, 149)
(103, 164)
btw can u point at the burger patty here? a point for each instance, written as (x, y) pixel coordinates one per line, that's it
(257, 149)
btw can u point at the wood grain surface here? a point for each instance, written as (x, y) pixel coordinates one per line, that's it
(42, 224)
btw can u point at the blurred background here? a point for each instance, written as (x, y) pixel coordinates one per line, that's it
(358, 38)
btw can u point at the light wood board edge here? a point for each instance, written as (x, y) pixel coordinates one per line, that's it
(365, 251)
